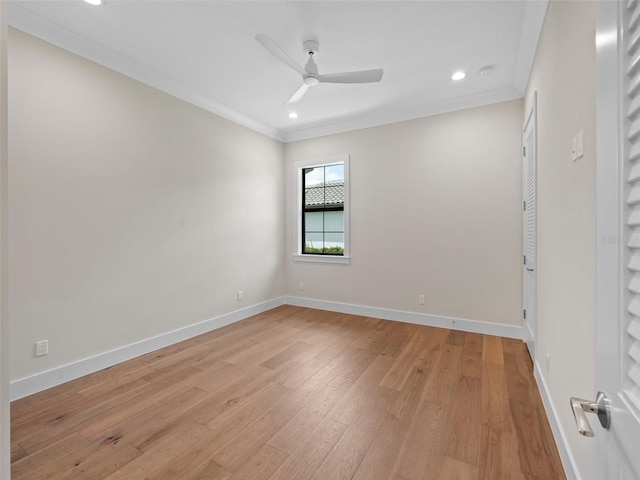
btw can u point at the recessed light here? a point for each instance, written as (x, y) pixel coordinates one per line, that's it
(458, 75)
(293, 115)
(95, 3)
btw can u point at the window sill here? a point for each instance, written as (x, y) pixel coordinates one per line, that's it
(321, 258)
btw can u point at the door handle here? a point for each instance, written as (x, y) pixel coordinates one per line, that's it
(600, 407)
(529, 269)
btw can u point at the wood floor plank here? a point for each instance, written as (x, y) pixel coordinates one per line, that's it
(297, 393)
(358, 395)
(344, 459)
(211, 471)
(17, 452)
(495, 411)
(237, 449)
(472, 355)
(304, 460)
(96, 460)
(289, 438)
(261, 466)
(492, 350)
(463, 438)
(446, 372)
(188, 437)
(535, 440)
(456, 337)
(70, 425)
(453, 469)
(499, 457)
(290, 353)
(380, 459)
(146, 423)
(26, 466)
(421, 452)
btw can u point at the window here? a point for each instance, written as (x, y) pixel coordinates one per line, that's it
(322, 211)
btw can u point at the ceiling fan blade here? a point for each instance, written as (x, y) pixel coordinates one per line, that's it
(364, 76)
(268, 43)
(297, 95)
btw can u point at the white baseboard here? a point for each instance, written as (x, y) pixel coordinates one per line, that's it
(56, 376)
(50, 378)
(486, 328)
(568, 462)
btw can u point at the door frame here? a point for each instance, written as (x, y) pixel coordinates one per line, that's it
(5, 448)
(530, 323)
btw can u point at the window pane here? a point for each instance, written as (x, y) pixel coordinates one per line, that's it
(313, 222)
(313, 176)
(333, 222)
(334, 243)
(334, 172)
(313, 242)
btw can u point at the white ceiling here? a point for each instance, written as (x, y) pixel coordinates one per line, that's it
(205, 52)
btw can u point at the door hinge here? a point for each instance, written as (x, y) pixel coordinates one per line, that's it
(524, 259)
(524, 205)
(524, 151)
(524, 313)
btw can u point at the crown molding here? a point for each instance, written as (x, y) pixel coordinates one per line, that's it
(55, 34)
(396, 116)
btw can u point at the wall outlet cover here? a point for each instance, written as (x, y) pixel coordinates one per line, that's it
(42, 348)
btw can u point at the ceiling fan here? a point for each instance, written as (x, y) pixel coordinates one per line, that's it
(310, 75)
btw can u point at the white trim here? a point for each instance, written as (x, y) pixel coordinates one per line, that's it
(297, 209)
(385, 118)
(568, 462)
(50, 32)
(534, 13)
(509, 331)
(297, 257)
(56, 376)
(41, 381)
(5, 444)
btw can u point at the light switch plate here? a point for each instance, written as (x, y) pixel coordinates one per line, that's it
(574, 148)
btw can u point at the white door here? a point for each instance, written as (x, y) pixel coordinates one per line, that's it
(529, 227)
(618, 243)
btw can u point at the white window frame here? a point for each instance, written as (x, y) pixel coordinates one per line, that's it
(298, 167)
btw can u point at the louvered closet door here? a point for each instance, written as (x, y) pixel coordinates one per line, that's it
(618, 248)
(529, 227)
(632, 154)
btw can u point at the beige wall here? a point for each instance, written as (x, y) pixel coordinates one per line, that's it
(435, 210)
(564, 75)
(131, 213)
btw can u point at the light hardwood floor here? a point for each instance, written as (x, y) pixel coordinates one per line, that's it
(296, 393)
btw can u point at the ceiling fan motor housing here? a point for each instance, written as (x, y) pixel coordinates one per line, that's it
(311, 47)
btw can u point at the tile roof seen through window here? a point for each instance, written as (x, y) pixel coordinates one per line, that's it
(329, 193)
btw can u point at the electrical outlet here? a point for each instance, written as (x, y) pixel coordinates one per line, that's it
(42, 348)
(421, 299)
(239, 295)
(301, 286)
